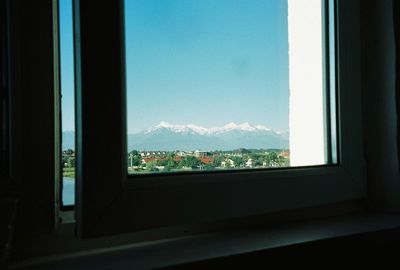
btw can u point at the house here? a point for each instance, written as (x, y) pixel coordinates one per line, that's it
(250, 163)
(265, 164)
(228, 163)
(284, 154)
(206, 160)
(177, 159)
(199, 153)
(181, 153)
(150, 159)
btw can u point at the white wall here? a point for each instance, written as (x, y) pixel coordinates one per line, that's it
(306, 113)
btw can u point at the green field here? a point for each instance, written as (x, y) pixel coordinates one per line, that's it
(69, 172)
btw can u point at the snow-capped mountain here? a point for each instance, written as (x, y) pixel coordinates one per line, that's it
(168, 137)
(207, 131)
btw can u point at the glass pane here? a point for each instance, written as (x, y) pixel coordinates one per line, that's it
(67, 101)
(225, 84)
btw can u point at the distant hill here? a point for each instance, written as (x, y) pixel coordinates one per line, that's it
(68, 140)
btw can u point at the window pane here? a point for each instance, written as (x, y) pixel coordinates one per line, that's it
(67, 102)
(225, 84)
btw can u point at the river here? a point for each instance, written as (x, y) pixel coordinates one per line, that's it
(68, 192)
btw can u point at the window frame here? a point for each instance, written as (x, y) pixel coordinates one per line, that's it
(31, 100)
(5, 89)
(107, 202)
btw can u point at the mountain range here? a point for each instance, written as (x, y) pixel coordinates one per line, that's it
(169, 137)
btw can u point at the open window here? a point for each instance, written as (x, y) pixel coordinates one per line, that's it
(323, 79)
(67, 92)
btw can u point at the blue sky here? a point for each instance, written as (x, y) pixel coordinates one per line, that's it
(203, 62)
(67, 65)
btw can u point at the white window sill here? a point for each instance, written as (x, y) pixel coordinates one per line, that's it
(164, 253)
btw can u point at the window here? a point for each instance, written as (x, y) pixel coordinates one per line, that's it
(226, 85)
(110, 201)
(67, 102)
(205, 80)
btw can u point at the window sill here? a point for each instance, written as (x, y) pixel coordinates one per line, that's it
(176, 251)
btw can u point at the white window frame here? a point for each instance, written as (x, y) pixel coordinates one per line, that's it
(109, 201)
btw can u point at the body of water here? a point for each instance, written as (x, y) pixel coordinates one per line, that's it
(68, 192)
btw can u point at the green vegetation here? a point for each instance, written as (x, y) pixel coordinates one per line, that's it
(179, 161)
(189, 162)
(68, 163)
(69, 172)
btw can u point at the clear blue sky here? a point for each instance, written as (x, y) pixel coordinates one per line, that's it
(67, 65)
(204, 62)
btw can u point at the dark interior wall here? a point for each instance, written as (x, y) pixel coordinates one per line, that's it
(379, 104)
(396, 19)
(30, 179)
(32, 118)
